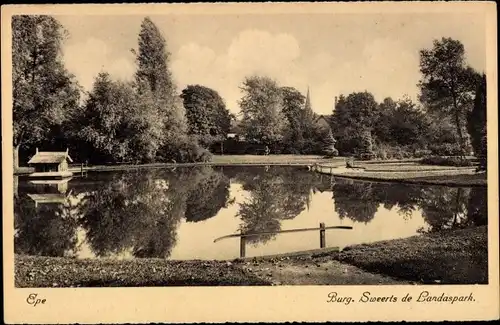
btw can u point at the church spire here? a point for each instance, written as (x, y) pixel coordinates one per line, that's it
(308, 101)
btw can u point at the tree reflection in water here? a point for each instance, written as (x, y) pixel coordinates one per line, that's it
(138, 213)
(276, 194)
(210, 194)
(47, 229)
(355, 200)
(442, 207)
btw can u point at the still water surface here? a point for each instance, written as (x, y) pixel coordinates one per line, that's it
(178, 214)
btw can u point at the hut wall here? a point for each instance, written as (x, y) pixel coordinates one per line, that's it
(46, 167)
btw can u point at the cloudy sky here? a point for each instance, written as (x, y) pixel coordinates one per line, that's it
(331, 54)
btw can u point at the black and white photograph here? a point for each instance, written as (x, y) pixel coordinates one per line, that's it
(263, 149)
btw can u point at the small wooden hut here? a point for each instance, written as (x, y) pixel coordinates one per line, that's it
(50, 164)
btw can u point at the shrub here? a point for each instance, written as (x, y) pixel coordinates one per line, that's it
(331, 152)
(381, 154)
(446, 161)
(420, 153)
(445, 149)
(366, 156)
(184, 150)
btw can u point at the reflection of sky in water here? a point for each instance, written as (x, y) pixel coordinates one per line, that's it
(184, 213)
(196, 239)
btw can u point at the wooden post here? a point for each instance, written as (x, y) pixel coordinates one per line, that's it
(16, 186)
(322, 235)
(81, 169)
(242, 245)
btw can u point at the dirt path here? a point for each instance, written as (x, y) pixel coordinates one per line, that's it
(308, 272)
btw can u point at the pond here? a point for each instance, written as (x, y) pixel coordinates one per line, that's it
(182, 213)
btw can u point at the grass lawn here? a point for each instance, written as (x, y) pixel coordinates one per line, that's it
(222, 160)
(450, 257)
(444, 177)
(31, 271)
(275, 159)
(476, 179)
(408, 172)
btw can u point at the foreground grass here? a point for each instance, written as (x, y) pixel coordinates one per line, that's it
(449, 257)
(33, 271)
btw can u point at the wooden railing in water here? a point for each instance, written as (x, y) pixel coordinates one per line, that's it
(322, 235)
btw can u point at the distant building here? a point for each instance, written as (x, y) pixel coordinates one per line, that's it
(235, 131)
(323, 121)
(49, 164)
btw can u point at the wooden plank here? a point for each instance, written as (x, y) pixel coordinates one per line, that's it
(280, 232)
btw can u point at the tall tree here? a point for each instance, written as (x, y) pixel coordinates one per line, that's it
(154, 78)
(207, 115)
(262, 109)
(329, 143)
(476, 123)
(293, 109)
(353, 119)
(409, 124)
(104, 125)
(382, 129)
(447, 83)
(43, 90)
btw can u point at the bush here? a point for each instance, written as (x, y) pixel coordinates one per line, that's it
(366, 156)
(445, 149)
(184, 150)
(446, 161)
(420, 153)
(331, 152)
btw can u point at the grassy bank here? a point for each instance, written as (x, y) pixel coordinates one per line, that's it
(424, 178)
(407, 172)
(449, 257)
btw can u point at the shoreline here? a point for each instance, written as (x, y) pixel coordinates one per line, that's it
(236, 160)
(448, 257)
(426, 175)
(451, 180)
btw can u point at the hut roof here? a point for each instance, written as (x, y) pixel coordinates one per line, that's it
(325, 117)
(49, 157)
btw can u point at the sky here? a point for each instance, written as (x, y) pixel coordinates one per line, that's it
(331, 54)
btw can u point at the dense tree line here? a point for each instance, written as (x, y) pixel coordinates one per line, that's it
(139, 121)
(147, 120)
(281, 118)
(45, 94)
(450, 121)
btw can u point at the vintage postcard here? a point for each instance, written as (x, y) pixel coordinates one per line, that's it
(250, 162)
